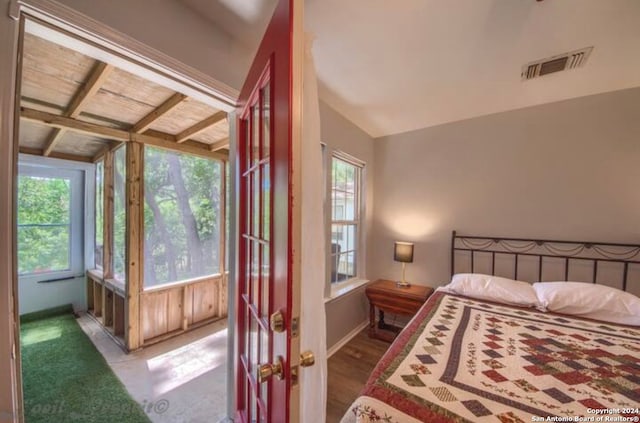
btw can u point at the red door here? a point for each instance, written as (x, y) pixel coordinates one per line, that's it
(268, 130)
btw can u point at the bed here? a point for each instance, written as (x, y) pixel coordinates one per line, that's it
(475, 358)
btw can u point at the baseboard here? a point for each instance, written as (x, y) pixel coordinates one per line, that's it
(348, 337)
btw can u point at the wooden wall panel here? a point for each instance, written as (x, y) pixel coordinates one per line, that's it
(118, 315)
(223, 308)
(154, 314)
(174, 309)
(205, 300)
(107, 306)
(188, 304)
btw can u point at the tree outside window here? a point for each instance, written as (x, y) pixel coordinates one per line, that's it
(44, 224)
(181, 216)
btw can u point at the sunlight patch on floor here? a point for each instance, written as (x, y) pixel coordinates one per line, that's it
(36, 336)
(181, 365)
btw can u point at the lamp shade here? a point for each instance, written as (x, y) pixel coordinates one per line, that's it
(403, 252)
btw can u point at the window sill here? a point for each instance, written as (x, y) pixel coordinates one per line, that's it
(341, 289)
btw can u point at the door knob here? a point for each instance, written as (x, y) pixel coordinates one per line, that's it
(276, 322)
(307, 359)
(267, 371)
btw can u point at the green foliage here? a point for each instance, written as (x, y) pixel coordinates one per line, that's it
(99, 213)
(119, 213)
(43, 224)
(167, 235)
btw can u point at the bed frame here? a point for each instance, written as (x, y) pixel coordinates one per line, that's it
(564, 256)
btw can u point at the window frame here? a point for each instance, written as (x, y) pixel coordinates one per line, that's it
(329, 155)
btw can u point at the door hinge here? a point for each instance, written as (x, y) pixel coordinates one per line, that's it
(295, 327)
(13, 351)
(14, 10)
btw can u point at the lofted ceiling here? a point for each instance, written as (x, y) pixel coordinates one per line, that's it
(392, 67)
(76, 107)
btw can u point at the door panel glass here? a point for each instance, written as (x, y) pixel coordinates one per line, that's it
(247, 144)
(266, 122)
(264, 269)
(255, 273)
(253, 342)
(266, 201)
(255, 151)
(264, 358)
(247, 277)
(257, 202)
(254, 414)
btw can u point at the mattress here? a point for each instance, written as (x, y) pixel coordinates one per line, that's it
(467, 360)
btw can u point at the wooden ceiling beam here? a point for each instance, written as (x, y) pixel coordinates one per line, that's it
(71, 124)
(189, 147)
(219, 145)
(112, 145)
(98, 76)
(165, 141)
(144, 123)
(54, 155)
(200, 126)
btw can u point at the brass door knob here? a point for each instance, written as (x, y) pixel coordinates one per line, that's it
(307, 359)
(276, 321)
(267, 371)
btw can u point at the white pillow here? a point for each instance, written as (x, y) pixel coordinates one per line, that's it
(597, 302)
(493, 288)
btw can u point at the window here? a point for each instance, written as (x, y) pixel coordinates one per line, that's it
(345, 209)
(181, 217)
(44, 224)
(50, 211)
(119, 213)
(99, 242)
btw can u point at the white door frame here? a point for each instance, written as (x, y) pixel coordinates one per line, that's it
(118, 48)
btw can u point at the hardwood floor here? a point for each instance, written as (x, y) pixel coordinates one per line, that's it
(348, 371)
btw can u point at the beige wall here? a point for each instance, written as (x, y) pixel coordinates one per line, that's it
(567, 170)
(345, 313)
(175, 30)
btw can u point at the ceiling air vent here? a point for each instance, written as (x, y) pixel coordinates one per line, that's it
(571, 60)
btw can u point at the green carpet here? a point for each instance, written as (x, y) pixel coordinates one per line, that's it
(66, 379)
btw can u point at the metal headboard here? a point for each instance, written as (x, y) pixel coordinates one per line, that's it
(563, 254)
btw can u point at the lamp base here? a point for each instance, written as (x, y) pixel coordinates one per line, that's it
(403, 284)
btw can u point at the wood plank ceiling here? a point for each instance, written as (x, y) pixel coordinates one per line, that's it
(75, 107)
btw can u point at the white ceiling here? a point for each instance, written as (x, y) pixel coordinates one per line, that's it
(392, 67)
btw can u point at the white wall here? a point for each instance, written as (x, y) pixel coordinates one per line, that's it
(34, 296)
(347, 312)
(566, 170)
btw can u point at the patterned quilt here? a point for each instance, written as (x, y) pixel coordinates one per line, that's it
(466, 360)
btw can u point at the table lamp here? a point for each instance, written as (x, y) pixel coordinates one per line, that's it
(403, 252)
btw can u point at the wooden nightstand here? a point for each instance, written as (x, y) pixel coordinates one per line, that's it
(386, 296)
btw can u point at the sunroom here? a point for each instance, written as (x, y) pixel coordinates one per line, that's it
(122, 196)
